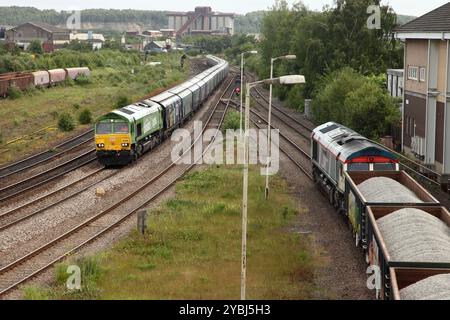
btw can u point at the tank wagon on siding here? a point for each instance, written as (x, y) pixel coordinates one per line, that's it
(20, 80)
(402, 229)
(123, 135)
(43, 78)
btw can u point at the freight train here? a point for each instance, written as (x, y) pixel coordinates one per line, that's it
(401, 228)
(47, 78)
(123, 135)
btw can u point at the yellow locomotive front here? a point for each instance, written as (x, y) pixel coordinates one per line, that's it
(113, 140)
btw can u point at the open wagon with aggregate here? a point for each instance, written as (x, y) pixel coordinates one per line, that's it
(408, 237)
(380, 188)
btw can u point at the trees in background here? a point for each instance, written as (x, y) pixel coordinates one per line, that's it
(327, 44)
(359, 102)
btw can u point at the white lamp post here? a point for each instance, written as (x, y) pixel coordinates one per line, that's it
(293, 79)
(287, 57)
(242, 84)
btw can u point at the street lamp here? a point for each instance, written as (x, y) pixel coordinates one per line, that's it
(287, 57)
(293, 79)
(242, 83)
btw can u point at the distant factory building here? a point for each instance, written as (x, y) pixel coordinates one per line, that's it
(50, 36)
(201, 21)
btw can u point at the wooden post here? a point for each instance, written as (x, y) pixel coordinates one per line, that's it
(142, 221)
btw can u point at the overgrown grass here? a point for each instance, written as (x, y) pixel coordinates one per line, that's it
(231, 121)
(40, 108)
(193, 246)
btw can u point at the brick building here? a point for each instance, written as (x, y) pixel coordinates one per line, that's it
(50, 36)
(426, 113)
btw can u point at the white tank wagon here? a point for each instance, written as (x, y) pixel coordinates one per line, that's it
(41, 78)
(414, 237)
(74, 73)
(375, 188)
(420, 284)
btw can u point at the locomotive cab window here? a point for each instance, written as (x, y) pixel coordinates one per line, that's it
(103, 128)
(358, 167)
(121, 127)
(384, 167)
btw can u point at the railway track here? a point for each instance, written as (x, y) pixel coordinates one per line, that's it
(288, 119)
(46, 176)
(40, 158)
(426, 175)
(40, 259)
(17, 215)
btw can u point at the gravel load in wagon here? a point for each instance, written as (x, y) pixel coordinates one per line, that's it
(387, 190)
(432, 288)
(413, 235)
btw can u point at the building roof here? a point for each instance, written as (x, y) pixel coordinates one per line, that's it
(160, 44)
(85, 37)
(437, 20)
(48, 27)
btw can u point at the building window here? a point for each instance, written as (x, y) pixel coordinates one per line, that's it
(413, 73)
(423, 74)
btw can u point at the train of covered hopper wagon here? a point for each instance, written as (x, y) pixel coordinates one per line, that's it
(45, 78)
(403, 231)
(125, 134)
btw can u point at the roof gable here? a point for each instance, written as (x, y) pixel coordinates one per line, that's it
(437, 20)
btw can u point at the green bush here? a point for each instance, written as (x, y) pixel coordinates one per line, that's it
(123, 101)
(35, 47)
(66, 122)
(231, 121)
(83, 80)
(14, 93)
(85, 116)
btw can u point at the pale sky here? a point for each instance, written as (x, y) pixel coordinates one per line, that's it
(407, 7)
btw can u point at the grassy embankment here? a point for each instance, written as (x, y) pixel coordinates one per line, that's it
(193, 248)
(121, 76)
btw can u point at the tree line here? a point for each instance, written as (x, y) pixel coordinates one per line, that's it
(12, 16)
(342, 59)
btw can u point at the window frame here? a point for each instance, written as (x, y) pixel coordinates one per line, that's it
(422, 77)
(104, 123)
(412, 76)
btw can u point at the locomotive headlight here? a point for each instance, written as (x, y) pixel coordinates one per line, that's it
(101, 145)
(125, 145)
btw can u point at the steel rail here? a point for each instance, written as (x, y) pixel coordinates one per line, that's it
(10, 167)
(90, 155)
(35, 252)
